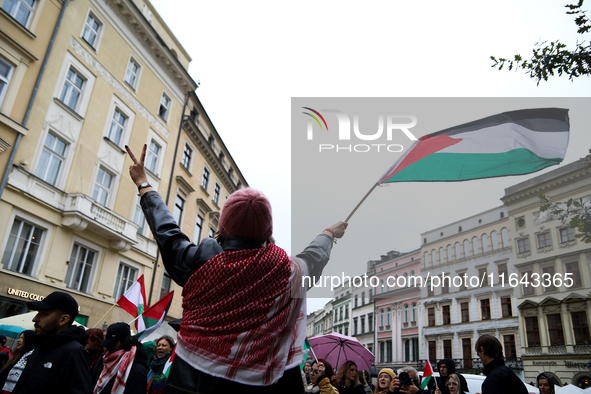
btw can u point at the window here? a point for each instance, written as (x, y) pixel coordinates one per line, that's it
(152, 157)
(102, 186)
(466, 248)
(548, 278)
(555, 330)
(363, 298)
(407, 350)
(177, 213)
(22, 247)
(413, 313)
(482, 274)
(362, 320)
(532, 331)
(355, 326)
(446, 314)
(433, 351)
(187, 156)
(370, 322)
(211, 233)
(406, 313)
(72, 90)
(510, 347)
(567, 235)
(445, 285)
(484, 240)
(382, 351)
(126, 277)
(117, 126)
(347, 311)
(430, 290)
(447, 348)
(465, 312)
(475, 245)
(198, 230)
(6, 70)
(388, 313)
(356, 301)
(52, 158)
(91, 31)
(20, 10)
(216, 193)
(573, 268)
(80, 268)
(164, 107)
(165, 285)
(502, 270)
(581, 328)
(544, 240)
(431, 317)
(132, 73)
(485, 309)
(523, 245)
(528, 289)
(138, 216)
(205, 179)
(506, 309)
(381, 317)
(467, 352)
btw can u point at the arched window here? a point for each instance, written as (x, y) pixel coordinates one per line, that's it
(466, 248)
(426, 259)
(382, 288)
(458, 250)
(413, 312)
(449, 253)
(388, 316)
(505, 237)
(433, 257)
(406, 313)
(494, 236)
(484, 243)
(406, 283)
(475, 245)
(441, 256)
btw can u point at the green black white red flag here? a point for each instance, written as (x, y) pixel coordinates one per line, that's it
(133, 301)
(511, 143)
(154, 315)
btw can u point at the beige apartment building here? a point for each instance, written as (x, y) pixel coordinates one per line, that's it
(115, 75)
(553, 269)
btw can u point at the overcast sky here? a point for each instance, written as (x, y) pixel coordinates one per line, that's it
(253, 57)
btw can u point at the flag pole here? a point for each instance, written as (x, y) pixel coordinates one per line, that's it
(105, 315)
(360, 202)
(313, 354)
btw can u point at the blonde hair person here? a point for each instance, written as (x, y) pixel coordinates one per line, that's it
(453, 385)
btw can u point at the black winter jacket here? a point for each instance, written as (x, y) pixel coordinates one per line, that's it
(501, 380)
(59, 365)
(451, 368)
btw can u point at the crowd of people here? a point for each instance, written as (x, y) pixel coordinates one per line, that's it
(242, 328)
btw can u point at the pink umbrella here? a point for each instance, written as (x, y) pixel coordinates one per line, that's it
(337, 349)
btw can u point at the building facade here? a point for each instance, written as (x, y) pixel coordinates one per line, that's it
(553, 276)
(464, 297)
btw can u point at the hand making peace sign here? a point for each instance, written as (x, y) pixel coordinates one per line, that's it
(137, 170)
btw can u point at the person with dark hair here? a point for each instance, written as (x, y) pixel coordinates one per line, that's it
(348, 380)
(446, 367)
(545, 383)
(243, 324)
(3, 347)
(320, 375)
(94, 337)
(156, 377)
(499, 378)
(60, 364)
(124, 363)
(12, 370)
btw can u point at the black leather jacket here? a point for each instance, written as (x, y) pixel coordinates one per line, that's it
(182, 259)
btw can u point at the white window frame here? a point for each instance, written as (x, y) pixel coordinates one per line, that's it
(153, 153)
(27, 217)
(206, 186)
(71, 87)
(139, 218)
(27, 246)
(153, 136)
(118, 125)
(18, 4)
(117, 291)
(217, 191)
(99, 33)
(182, 196)
(138, 73)
(6, 79)
(52, 154)
(98, 258)
(70, 62)
(111, 191)
(168, 109)
(198, 232)
(189, 165)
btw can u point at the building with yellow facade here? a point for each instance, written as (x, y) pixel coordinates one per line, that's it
(114, 75)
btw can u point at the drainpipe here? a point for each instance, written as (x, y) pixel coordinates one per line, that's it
(32, 100)
(176, 149)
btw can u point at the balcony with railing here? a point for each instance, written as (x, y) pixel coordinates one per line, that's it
(474, 365)
(557, 349)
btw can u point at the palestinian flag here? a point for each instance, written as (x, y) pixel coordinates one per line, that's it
(427, 375)
(511, 143)
(133, 301)
(167, 365)
(306, 349)
(154, 315)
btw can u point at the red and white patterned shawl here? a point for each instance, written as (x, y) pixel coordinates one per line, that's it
(240, 321)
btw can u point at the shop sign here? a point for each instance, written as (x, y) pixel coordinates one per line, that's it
(545, 363)
(570, 364)
(25, 294)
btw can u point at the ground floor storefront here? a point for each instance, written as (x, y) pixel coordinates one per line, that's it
(566, 369)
